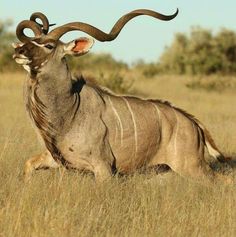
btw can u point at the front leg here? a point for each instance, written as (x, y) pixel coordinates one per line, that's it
(43, 160)
(100, 168)
(102, 171)
(101, 162)
(97, 161)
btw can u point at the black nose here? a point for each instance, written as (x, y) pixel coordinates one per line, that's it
(21, 51)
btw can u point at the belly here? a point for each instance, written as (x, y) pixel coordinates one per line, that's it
(132, 155)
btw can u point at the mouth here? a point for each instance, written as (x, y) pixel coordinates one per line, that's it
(22, 60)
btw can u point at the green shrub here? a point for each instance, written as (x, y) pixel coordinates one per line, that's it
(201, 52)
(116, 82)
(151, 70)
(6, 50)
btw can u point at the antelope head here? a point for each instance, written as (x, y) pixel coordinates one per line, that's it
(35, 53)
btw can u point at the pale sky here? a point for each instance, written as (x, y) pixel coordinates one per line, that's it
(143, 37)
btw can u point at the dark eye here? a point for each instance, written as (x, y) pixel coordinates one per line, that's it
(49, 46)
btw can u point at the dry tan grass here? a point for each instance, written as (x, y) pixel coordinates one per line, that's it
(58, 203)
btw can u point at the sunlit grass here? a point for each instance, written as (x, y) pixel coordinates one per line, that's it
(66, 203)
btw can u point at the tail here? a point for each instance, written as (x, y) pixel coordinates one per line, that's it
(211, 146)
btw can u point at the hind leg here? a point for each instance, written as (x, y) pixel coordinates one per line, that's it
(41, 161)
(198, 169)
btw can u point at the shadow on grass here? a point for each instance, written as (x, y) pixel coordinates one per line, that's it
(229, 166)
(232, 162)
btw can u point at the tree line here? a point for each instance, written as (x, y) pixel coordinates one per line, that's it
(199, 52)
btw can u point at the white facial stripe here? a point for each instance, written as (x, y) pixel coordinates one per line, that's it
(21, 56)
(23, 61)
(17, 45)
(39, 45)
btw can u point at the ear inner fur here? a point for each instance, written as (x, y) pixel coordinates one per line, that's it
(81, 45)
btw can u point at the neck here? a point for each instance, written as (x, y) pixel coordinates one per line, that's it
(50, 97)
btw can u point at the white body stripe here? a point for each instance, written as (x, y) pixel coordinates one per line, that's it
(119, 120)
(39, 45)
(158, 111)
(134, 122)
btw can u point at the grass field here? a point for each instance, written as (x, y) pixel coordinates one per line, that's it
(66, 203)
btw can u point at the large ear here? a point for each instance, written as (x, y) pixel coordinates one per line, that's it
(79, 46)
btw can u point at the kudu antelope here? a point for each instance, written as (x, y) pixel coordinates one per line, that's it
(86, 127)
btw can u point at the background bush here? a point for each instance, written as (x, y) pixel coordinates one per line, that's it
(199, 52)
(6, 50)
